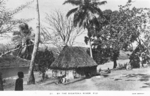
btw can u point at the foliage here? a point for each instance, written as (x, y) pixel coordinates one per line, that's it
(101, 55)
(139, 56)
(5, 48)
(146, 30)
(7, 23)
(85, 12)
(135, 61)
(119, 29)
(142, 50)
(43, 60)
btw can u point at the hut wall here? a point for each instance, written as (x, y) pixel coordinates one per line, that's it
(83, 71)
(58, 73)
(70, 74)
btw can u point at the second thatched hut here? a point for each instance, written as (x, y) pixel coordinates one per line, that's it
(74, 60)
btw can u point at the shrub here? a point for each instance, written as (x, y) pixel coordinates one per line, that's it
(43, 60)
(135, 61)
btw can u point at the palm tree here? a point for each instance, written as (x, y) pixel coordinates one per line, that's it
(31, 79)
(23, 42)
(86, 14)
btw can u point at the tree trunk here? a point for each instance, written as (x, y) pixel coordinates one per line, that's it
(1, 82)
(91, 54)
(115, 63)
(31, 79)
(89, 36)
(115, 57)
(43, 76)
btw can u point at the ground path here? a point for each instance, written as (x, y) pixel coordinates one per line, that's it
(90, 85)
(117, 80)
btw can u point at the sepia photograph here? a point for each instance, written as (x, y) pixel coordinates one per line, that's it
(75, 47)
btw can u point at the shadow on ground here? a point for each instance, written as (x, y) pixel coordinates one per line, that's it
(45, 80)
(117, 79)
(71, 82)
(143, 77)
(75, 81)
(147, 85)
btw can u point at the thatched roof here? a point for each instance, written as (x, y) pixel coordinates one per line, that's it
(71, 58)
(10, 61)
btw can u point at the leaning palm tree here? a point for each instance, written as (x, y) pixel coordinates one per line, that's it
(86, 14)
(23, 42)
(31, 79)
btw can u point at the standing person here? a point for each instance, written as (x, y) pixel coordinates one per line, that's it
(1, 82)
(19, 82)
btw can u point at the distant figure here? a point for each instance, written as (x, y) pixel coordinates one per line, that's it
(99, 70)
(19, 82)
(128, 66)
(108, 70)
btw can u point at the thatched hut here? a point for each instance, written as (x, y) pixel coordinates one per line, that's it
(74, 59)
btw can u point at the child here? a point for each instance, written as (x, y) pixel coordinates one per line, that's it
(19, 82)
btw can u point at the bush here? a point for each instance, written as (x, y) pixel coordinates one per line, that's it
(43, 60)
(135, 61)
(101, 55)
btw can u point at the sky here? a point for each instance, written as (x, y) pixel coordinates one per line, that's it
(49, 6)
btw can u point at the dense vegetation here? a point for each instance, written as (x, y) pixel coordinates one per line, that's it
(112, 31)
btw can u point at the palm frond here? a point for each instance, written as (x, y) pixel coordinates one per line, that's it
(94, 10)
(98, 11)
(76, 19)
(107, 12)
(99, 3)
(83, 18)
(79, 17)
(95, 22)
(71, 11)
(73, 2)
(17, 39)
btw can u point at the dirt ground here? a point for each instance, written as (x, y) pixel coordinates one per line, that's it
(117, 80)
